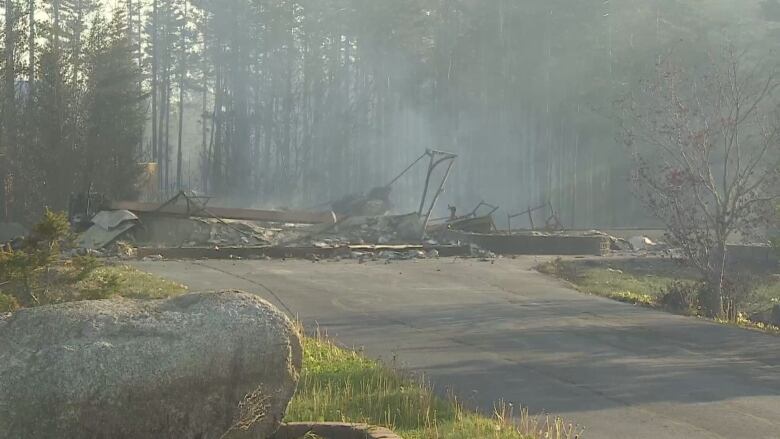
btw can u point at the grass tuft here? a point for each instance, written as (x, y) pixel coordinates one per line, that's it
(131, 283)
(339, 385)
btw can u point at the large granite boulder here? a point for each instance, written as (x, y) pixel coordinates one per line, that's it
(212, 365)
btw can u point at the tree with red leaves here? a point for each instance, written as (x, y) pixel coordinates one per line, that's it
(706, 144)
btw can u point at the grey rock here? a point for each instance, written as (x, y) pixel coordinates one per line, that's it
(210, 365)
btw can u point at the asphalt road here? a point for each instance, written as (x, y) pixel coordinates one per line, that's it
(504, 332)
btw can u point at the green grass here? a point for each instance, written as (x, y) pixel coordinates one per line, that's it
(339, 385)
(615, 280)
(643, 281)
(134, 284)
(63, 282)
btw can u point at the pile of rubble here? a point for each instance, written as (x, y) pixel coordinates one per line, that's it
(185, 223)
(638, 243)
(388, 229)
(151, 231)
(181, 222)
(154, 230)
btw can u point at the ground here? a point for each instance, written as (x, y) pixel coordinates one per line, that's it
(503, 331)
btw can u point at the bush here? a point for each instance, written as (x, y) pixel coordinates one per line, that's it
(8, 303)
(22, 268)
(739, 289)
(84, 266)
(50, 236)
(36, 275)
(682, 297)
(685, 297)
(18, 270)
(104, 285)
(559, 269)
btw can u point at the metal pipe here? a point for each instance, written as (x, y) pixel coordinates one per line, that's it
(427, 182)
(408, 168)
(438, 194)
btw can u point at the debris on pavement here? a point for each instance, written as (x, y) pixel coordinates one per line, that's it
(123, 250)
(480, 253)
(153, 258)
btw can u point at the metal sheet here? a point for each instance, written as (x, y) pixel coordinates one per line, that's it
(109, 219)
(96, 237)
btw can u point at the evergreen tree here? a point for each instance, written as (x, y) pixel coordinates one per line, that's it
(114, 111)
(307, 100)
(56, 153)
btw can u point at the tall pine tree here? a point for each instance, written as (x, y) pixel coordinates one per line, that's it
(114, 110)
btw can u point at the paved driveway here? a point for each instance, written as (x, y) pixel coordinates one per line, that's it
(504, 332)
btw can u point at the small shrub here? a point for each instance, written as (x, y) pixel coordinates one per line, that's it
(8, 303)
(53, 231)
(103, 285)
(84, 266)
(559, 269)
(682, 297)
(18, 269)
(37, 274)
(739, 289)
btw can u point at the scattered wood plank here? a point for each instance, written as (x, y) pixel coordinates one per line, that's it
(524, 244)
(276, 252)
(276, 216)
